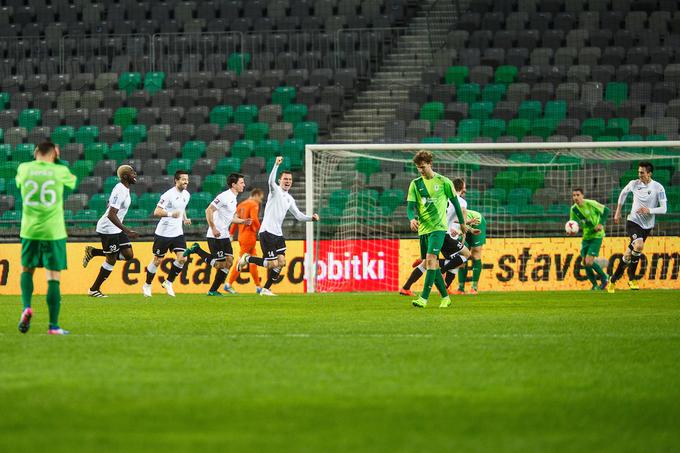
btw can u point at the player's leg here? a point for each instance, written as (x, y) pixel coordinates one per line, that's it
(91, 252)
(274, 268)
(196, 248)
(594, 252)
(179, 246)
(54, 262)
(252, 268)
(111, 247)
(588, 265)
(222, 252)
(160, 246)
(476, 256)
(632, 232)
(636, 253)
(29, 260)
(433, 275)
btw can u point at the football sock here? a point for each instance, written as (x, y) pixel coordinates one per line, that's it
(632, 267)
(150, 272)
(104, 273)
(26, 288)
(476, 272)
(462, 277)
(272, 275)
(415, 275)
(254, 273)
(257, 260)
(233, 273)
(439, 283)
(429, 281)
(450, 277)
(174, 270)
(97, 252)
(220, 277)
(591, 275)
(53, 302)
(620, 269)
(598, 270)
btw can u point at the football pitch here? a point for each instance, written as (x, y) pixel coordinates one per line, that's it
(560, 371)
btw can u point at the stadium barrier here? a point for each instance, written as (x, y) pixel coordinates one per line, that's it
(513, 264)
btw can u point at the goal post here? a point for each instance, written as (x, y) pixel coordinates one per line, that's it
(522, 189)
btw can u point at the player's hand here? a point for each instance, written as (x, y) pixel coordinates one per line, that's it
(413, 225)
(617, 217)
(216, 232)
(598, 227)
(132, 234)
(315, 217)
(279, 159)
(474, 231)
(643, 210)
(473, 221)
(187, 221)
(248, 221)
(175, 214)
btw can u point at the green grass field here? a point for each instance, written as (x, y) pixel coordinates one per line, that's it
(570, 371)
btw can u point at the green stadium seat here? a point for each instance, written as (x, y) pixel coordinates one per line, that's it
(468, 92)
(5, 152)
(338, 199)
(62, 135)
(87, 134)
(82, 168)
(519, 196)
(520, 157)
(519, 127)
(473, 197)
(154, 82)
(284, 96)
(138, 216)
(530, 110)
(469, 129)
(228, 165)
(493, 128)
(4, 100)
(201, 200)
(673, 195)
(215, 183)
(98, 202)
(245, 114)
(23, 152)
(2, 185)
(2, 135)
(307, 131)
(29, 118)
(267, 149)
(125, 116)
(110, 183)
(457, 75)
(494, 92)
(432, 140)
(238, 62)
(494, 196)
(96, 151)
(178, 164)
(363, 198)
(294, 113)
(12, 216)
(129, 81)
(293, 147)
(285, 164)
(561, 210)
(367, 166)
(532, 210)
(506, 179)
(543, 127)
(8, 169)
(134, 133)
(632, 138)
(433, 112)
(556, 110)
(481, 110)
(506, 74)
(221, 115)
(120, 151)
(593, 127)
(148, 201)
(392, 198)
(193, 150)
(256, 131)
(626, 177)
(617, 127)
(242, 149)
(662, 176)
(616, 92)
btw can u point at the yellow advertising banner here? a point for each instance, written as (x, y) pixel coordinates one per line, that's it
(517, 264)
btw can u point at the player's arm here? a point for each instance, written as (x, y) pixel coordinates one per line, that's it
(299, 215)
(160, 210)
(232, 229)
(209, 216)
(661, 209)
(241, 221)
(187, 220)
(272, 176)
(622, 200)
(602, 221)
(412, 207)
(255, 215)
(68, 179)
(113, 217)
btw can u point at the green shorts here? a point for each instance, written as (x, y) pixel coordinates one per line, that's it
(431, 243)
(591, 247)
(48, 254)
(476, 240)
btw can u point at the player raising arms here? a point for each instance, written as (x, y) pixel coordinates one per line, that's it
(649, 199)
(114, 235)
(591, 217)
(221, 213)
(43, 230)
(169, 233)
(273, 244)
(426, 210)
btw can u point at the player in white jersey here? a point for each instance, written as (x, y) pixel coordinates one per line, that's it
(114, 235)
(649, 199)
(169, 234)
(273, 244)
(220, 214)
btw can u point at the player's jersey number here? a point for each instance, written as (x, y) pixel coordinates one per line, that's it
(40, 194)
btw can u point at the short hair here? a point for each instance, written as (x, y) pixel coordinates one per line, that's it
(647, 166)
(458, 184)
(179, 173)
(233, 179)
(286, 172)
(578, 189)
(423, 157)
(256, 191)
(123, 170)
(45, 148)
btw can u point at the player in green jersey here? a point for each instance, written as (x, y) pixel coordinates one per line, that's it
(474, 240)
(427, 199)
(591, 217)
(43, 230)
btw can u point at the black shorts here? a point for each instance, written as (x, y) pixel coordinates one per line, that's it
(635, 231)
(272, 245)
(451, 247)
(113, 243)
(162, 244)
(220, 248)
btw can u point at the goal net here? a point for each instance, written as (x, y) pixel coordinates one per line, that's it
(522, 189)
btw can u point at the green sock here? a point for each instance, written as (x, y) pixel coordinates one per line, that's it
(26, 288)
(599, 271)
(430, 276)
(439, 282)
(462, 276)
(591, 275)
(476, 272)
(53, 302)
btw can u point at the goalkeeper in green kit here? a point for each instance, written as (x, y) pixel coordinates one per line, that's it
(591, 217)
(43, 230)
(427, 201)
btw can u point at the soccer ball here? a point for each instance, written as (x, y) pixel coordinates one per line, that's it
(571, 227)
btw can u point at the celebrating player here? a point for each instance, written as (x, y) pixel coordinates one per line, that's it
(43, 230)
(591, 217)
(169, 233)
(273, 244)
(649, 199)
(426, 210)
(220, 215)
(247, 236)
(114, 235)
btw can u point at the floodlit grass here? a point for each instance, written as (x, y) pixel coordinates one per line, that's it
(571, 371)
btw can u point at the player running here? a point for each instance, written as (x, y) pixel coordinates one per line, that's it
(426, 210)
(220, 214)
(114, 235)
(43, 230)
(273, 244)
(169, 233)
(591, 217)
(649, 199)
(247, 236)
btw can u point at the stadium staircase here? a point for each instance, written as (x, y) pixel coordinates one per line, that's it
(401, 69)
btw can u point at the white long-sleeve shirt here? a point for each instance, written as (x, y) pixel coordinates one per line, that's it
(225, 204)
(279, 202)
(651, 196)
